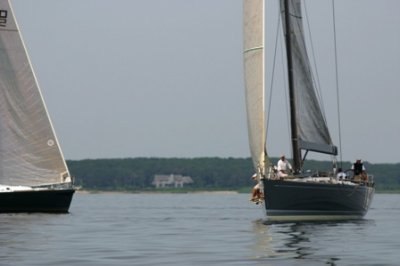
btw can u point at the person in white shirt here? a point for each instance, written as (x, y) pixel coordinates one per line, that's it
(283, 166)
(341, 175)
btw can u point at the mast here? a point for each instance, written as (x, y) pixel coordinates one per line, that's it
(293, 114)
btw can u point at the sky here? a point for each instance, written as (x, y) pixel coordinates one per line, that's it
(156, 78)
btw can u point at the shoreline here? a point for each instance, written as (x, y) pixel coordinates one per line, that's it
(217, 192)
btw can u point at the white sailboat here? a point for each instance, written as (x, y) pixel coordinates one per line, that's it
(33, 174)
(300, 196)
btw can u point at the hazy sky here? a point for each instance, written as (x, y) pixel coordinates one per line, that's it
(157, 78)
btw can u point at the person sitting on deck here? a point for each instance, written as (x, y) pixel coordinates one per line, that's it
(341, 175)
(359, 171)
(283, 166)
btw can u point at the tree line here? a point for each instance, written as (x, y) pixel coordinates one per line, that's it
(207, 173)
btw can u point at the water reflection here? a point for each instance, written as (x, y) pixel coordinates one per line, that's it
(310, 242)
(26, 232)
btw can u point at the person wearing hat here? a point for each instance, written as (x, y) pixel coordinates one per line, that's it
(283, 166)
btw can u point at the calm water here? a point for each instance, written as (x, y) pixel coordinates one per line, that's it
(194, 229)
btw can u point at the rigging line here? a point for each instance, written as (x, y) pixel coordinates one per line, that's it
(285, 86)
(316, 80)
(273, 73)
(337, 82)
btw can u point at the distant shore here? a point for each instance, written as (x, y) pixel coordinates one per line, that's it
(171, 191)
(218, 192)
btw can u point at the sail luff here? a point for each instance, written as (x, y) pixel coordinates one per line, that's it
(254, 66)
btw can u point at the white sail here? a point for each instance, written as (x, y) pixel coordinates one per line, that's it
(253, 30)
(29, 151)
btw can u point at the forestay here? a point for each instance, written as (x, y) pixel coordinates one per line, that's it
(29, 150)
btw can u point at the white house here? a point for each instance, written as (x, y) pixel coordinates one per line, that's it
(176, 181)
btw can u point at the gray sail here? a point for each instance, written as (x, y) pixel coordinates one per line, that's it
(253, 31)
(312, 129)
(29, 151)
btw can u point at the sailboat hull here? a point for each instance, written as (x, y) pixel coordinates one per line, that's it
(291, 200)
(47, 201)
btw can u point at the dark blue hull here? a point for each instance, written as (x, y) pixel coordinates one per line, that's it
(291, 200)
(48, 201)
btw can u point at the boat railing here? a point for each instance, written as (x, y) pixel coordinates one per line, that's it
(65, 185)
(314, 173)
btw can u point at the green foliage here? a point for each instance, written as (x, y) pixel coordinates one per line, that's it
(136, 174)
(386, 176)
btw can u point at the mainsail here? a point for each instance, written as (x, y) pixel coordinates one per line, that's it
(29, 151)
(312, 130)
(253, 12)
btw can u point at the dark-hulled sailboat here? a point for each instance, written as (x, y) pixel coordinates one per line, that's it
(300, 196)
(33, 174)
